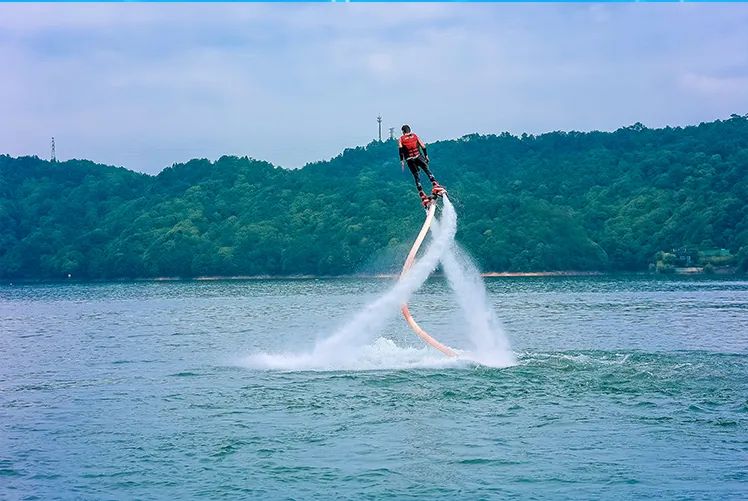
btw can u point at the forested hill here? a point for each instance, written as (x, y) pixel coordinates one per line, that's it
(558, 201)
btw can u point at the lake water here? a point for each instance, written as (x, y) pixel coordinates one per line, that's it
(624, 387)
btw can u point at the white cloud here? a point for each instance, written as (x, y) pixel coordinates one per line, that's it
(722, 86)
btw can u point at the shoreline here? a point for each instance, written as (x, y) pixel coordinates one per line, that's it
(386, 276)
(217, 278)
(390, 275)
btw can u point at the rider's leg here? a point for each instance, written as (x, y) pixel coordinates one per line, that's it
(425, 168)
(437, 189)
(414, 170)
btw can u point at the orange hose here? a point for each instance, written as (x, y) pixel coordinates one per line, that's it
(408, 263)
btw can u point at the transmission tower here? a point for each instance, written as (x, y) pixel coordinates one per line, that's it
(53, 157)
(379, 121)
(392, 133)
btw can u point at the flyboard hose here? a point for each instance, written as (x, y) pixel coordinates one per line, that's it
(408, 263)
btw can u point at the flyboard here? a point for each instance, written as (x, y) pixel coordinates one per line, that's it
(408, 263)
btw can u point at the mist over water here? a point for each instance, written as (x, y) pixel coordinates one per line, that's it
(351, 347)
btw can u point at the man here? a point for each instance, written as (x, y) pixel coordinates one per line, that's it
(413, 151)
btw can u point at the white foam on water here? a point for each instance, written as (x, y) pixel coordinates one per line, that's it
(352, 342)
(382, 354)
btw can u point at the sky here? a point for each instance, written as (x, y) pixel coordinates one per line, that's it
(147, 85)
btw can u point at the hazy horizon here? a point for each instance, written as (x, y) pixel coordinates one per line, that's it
(342, 150)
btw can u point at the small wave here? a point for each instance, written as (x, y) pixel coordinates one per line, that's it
(186, 374)
(577, 358)
(487, 461)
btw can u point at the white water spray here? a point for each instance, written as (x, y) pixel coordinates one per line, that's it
(350, 346)
(350, 341)
(490, 345)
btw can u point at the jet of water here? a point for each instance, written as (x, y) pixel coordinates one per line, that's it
(351, 343)
(370, 320)
(489, 340)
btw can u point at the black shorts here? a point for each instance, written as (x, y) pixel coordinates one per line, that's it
(415, 163)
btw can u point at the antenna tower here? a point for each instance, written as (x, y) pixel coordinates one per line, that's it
(379, 121)
(392, 133)
(54, 156)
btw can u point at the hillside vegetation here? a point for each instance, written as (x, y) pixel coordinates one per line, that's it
(619, 201)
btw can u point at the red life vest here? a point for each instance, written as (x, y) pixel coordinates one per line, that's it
(410, 143)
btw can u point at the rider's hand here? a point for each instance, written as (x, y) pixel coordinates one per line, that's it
(427, 160)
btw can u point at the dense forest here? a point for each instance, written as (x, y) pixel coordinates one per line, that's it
(629, 200)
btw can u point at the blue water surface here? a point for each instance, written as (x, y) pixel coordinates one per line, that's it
(626, 388)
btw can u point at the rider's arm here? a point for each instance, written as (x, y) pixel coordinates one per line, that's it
(401, 150)
(423, 148)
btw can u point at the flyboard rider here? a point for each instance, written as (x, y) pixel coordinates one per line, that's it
(413, 151)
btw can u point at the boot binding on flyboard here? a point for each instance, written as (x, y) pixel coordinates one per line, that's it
(425, 200)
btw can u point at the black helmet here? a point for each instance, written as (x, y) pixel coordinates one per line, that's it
(405, 128)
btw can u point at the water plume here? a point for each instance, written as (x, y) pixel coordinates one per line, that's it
(350, 347)
(347, 342)
(490, 345)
